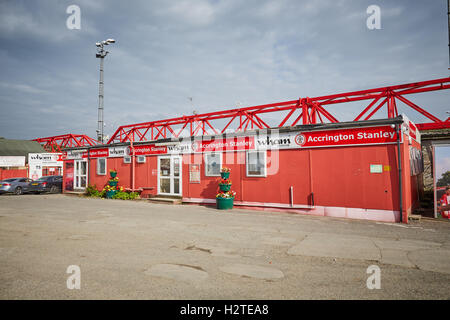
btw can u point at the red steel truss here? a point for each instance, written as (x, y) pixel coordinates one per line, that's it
(301, 111)
(56, 143)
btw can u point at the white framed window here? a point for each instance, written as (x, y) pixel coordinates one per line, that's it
(213, 164)
(101, 166)
(126, 159)
(256, 164)
(141, 159)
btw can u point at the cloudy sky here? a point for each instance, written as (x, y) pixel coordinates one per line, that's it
(221, 53)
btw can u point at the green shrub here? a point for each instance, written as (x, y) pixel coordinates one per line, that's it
(120, 195)
(91, 191)
(134, 195)
(125, 195)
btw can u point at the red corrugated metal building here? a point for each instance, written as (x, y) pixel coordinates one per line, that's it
(347, 169)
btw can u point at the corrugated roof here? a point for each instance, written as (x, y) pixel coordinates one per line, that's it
(9, 147)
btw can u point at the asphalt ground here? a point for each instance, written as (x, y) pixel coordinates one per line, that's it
(142, 250)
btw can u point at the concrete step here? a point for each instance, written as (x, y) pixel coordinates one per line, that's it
(74, 193)
(415, 217)
(165, 200)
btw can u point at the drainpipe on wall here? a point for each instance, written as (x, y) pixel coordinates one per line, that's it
(291, 189)
(400, 185)
(88, 164)
(132, 166)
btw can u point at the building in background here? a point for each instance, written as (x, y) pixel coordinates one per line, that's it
(14, 157)
(44, 164)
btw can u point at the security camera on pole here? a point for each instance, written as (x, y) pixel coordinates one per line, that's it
(101, 53)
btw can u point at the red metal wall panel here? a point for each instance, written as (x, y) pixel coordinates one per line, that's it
(207, 188)
(342, 178)
(293, 170)
(13, 173)
(145, 176)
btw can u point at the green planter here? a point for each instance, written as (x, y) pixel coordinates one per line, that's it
(224, 187)
(110, 194)
(224, 203)
(113, 183)
(113, 174)
(225, 175)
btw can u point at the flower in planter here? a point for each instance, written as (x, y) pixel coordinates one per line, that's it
(225, 169)
(226, 195)
(114, 179)
(109, 188)
(113, 171)
(225, 181)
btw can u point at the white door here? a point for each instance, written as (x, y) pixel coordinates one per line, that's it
(80, 176)
(169, 175)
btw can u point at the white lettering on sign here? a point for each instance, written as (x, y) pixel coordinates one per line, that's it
(381, 134)
(335, 138)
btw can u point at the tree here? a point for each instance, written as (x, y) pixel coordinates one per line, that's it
(444, 180)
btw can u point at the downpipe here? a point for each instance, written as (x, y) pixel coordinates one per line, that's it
(291, 190)
(400, 185)
(133, 169)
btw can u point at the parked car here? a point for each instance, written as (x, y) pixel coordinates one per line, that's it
(52, 184)
(15, 185)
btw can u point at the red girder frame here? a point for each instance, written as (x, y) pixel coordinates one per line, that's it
(56, 143)
(301, 111)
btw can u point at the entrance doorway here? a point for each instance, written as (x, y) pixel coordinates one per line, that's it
(80, 174)
(441, 177)
(169, 175)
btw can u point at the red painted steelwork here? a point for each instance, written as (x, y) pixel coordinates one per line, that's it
(56, 143)
(309, 111)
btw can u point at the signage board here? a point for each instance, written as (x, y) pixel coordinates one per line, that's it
(38, 161)
(328, 138)
(143, 150)
(75, 154)
(194, 173)
(12, 161)
(384, 134)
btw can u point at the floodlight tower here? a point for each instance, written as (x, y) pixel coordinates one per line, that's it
(101, 54)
